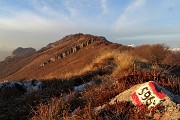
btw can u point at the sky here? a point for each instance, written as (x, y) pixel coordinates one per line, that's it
(36, 23)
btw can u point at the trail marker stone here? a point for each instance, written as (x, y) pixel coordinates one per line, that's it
(148, 94)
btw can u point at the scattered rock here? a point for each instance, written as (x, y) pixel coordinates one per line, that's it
(25, 86)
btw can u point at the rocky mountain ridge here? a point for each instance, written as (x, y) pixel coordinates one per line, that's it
(48, 63)
(83, 76)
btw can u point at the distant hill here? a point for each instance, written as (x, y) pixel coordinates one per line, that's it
(68, 55)
(23, 51)
(17, 52)
(3, 54)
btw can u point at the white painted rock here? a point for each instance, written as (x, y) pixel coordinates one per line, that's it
(148, 94)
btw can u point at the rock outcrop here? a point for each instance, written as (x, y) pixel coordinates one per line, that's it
(68, 52)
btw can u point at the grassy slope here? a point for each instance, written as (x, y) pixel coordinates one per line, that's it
(103, 63)
(52, 102)
(60, 68)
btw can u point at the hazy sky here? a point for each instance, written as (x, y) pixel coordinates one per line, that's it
(35, 23)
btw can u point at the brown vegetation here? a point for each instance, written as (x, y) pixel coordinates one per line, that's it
(101, 94)
(112, 67)
(70, 64)
(152, 53)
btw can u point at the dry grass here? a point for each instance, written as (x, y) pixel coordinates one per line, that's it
(86, 69)
(53, 103)
(50, 103)
(51, 111)
(84, 102)
(124, 63)
(121, 62)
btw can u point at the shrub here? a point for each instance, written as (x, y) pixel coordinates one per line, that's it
(153, 53)
(172, 59)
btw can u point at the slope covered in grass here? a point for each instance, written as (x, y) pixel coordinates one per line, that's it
(111, 73)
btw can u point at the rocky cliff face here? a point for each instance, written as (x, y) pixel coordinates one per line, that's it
(23, 51)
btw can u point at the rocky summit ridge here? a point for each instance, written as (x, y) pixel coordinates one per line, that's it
(55, 59)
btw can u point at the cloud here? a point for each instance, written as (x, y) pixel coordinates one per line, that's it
(52, 19)
(50, 9)
(130, 18)
(81, 9)
(104, 6)
(41, 17)
(44, 14)
(24, 21)
(147, 18)
(43, 23)
(72, 8)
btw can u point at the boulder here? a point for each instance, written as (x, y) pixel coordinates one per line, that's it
(63, 55)
(32, 86)
(53, 59)
(149, 94)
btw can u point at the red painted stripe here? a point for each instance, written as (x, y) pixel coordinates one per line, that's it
(136, 99)
(159, 94)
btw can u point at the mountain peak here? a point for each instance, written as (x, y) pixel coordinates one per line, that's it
(74, 38)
